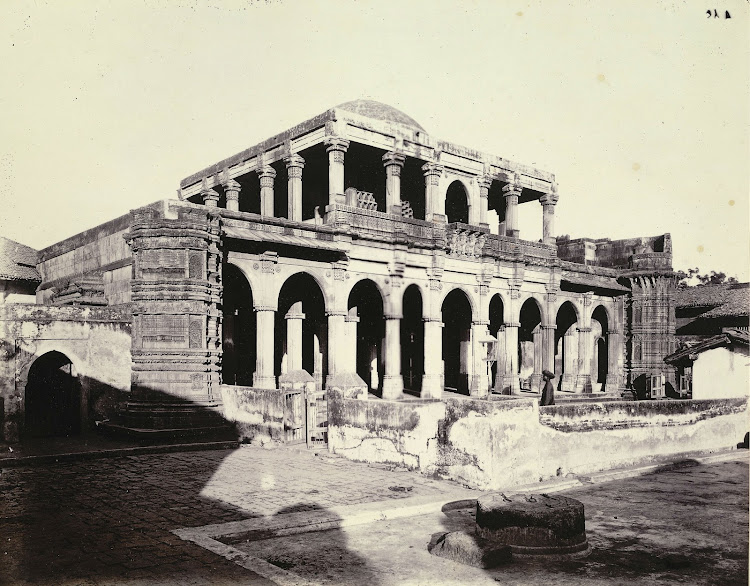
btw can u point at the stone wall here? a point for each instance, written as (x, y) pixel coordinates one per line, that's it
(255, 412)
(495, 445)
(95, 340)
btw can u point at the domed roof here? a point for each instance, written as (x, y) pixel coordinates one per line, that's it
(380, 111)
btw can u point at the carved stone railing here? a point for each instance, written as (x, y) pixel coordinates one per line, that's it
(509, 248)
(379, 225)
(464, 240)
(651, 261)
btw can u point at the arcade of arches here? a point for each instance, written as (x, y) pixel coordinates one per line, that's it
(401, 347)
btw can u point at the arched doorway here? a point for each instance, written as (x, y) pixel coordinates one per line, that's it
(600, 355)
(412, 340)
(367, 302)
(566, 346)
(238, 333)
(497, 329)
(456, 341)
(53, 397)
(457, 203)
(530, 346)
(301, 328)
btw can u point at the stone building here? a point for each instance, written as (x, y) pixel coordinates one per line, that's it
(356, 243)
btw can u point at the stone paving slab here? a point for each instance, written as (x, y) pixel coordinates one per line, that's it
(109, 521)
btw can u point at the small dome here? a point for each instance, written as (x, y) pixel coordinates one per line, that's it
(380, 111)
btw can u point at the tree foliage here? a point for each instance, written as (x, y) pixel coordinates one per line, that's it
(694, 277)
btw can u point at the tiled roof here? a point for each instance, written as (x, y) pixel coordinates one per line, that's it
(726, 338)
(724, 300)
(17, 261)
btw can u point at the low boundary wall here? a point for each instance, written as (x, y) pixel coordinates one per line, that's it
(492, 445)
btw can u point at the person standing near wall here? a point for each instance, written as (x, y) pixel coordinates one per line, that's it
(548, 393)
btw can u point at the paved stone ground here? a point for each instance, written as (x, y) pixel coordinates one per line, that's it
(108, 521)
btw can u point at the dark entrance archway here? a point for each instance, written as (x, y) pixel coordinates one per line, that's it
(53, 397)
(566, 346)
(530, 345)
(412, 340)
(600, 357)
(366, 298)
(301, 295)
(456, 341)
(457, 203)
(238, 329)
(497, 330)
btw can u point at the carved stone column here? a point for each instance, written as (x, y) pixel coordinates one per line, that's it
(294, 166)
(232, 192)
(614, 361)
(549, 201)
(336, 148)
(479, 383)
(435, 208)
(267, 175)
(294, 319)
(584, 360)
(337, 343)
(393, 382)
(548, 348)
(485, 182)
(393, 163)
(501, 372)
(350, 323)
(568, 379)
(264, 377)
(512, 191)
(513, 384)
(432, 381)
(536, 376)
(210, 198)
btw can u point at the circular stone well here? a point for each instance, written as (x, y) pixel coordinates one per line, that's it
(534, 524)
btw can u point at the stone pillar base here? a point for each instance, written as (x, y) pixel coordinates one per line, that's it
(535, 383)
(264, 382)
(583, 384)
(393, 386)
(568, 383)
(432, 386)
(478, 387)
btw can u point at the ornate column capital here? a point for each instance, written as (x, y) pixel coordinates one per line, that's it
(294, 161)
(485, 182)
(210, 197)
(551, 198)
(513, 188)
(336, 144)
(393, 161)
(432, 172)
(232, 185)
(267, 175)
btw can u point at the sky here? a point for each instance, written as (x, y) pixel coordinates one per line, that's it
(641, 109)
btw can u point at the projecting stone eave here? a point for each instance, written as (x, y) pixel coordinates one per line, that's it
(387, 134)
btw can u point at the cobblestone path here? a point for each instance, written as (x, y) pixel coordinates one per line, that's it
(108, 521)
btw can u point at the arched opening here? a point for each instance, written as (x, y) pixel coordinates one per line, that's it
(301, 333)
(497, 329)
(366, 298)
(566, 346)
(457, 203)
(53, 397)
(238, 331)
(530, 345)
(600, 355)
(456, 341)
(412, 340)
